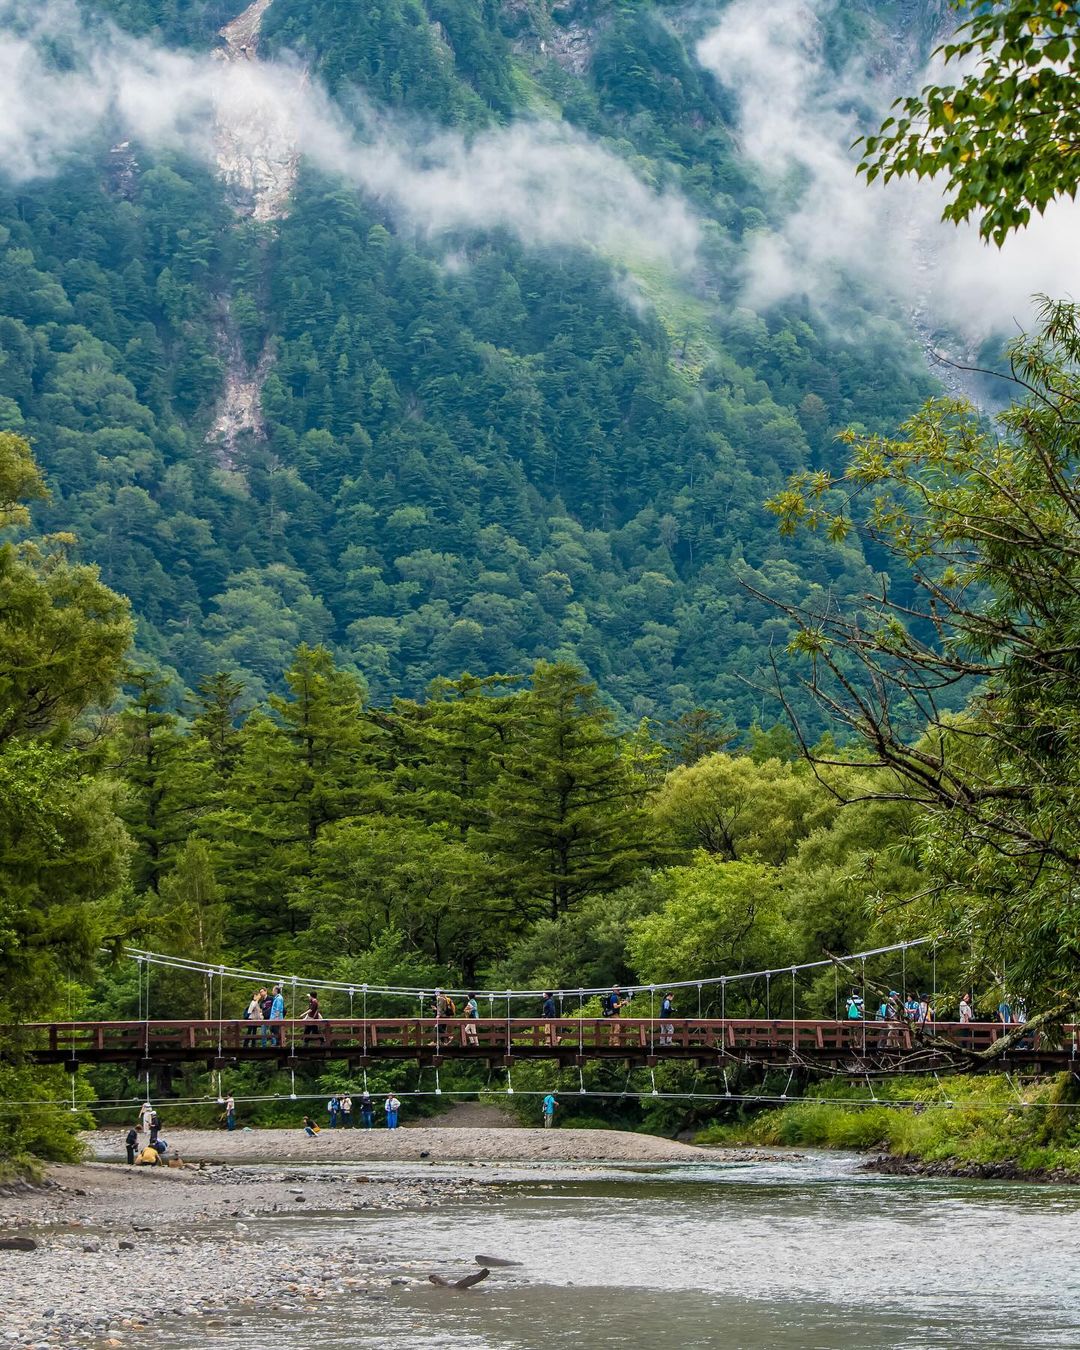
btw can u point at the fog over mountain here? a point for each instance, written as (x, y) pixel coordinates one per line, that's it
(461, 333)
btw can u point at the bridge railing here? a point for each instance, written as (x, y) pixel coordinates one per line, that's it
(458, 1037)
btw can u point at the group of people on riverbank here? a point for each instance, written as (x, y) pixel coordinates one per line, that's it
(339, 1110)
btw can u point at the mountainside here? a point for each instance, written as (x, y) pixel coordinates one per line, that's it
(451, 368)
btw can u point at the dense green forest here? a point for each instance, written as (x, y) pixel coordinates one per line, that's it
(502, 831)
(445, 666)
(468, 467)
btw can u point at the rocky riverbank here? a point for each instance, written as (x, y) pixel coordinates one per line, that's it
(108, 1251)
(904, 1165)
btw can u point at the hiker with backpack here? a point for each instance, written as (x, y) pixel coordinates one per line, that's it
(333, 1109)
(445, 1007)
(612, 1007)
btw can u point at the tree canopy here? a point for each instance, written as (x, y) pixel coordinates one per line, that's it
(1006, 136)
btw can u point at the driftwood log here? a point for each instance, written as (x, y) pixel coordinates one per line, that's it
(466, 1283)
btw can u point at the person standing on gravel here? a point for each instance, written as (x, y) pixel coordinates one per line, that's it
(367, 1110)
(346, 1112)
(391, 1106)
(549, 1107)
(129, 1143)
(333, 1108)
(230, 1112)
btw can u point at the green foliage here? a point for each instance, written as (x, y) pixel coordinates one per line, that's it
(987, 527)
(960, 1121)
(1005, 136)
(63, 851)
(468, 467)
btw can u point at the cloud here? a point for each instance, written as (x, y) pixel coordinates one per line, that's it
(797, 120)
(543, 181)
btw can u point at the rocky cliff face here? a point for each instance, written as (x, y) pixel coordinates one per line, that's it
(257, 154)
(257, 158)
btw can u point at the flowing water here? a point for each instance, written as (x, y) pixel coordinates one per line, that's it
(801, 1253)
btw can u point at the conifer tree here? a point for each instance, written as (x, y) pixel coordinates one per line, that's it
(151, 756)
(567, 815)
(303, 765)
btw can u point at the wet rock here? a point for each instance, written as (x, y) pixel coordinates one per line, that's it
(17, 1244)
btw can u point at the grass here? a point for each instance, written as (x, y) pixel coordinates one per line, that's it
(963, 1121)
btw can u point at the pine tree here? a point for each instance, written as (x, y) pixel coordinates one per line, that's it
(303, 765)
(217, 699)
(567, 817)
(150, 756)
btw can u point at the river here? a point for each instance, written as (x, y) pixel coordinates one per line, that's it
(808, 1252)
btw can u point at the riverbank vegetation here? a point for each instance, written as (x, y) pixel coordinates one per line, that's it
(963, 1122)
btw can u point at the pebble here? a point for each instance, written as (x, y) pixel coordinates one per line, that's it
(203, 1268)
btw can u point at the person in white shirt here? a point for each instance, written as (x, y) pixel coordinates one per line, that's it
(391, 1106)
(967, 1012)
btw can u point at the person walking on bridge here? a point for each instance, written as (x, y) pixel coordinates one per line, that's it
(612, 1007)
(549, 1013)
(277, 1015)
(313, 1016)
(471, 1013)
(667, 1011)
(253, 1016)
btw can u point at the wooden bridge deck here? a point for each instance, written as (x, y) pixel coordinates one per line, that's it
(502, 1040)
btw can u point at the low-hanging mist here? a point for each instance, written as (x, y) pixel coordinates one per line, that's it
(543, 181)
(797, 120)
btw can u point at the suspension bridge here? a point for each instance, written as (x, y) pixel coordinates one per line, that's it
(371, 1029)
(855, 1046)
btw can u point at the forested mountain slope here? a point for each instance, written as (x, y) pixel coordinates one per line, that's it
(436, 447)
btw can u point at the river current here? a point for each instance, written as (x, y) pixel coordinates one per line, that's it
(809, 1252)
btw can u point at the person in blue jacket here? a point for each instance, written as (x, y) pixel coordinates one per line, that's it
(277, 1014)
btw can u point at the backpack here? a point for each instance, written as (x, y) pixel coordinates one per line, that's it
(449, 1007)
(611, 1005)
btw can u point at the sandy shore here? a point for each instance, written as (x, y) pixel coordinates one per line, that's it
(418, 1142)
(120, 1249)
